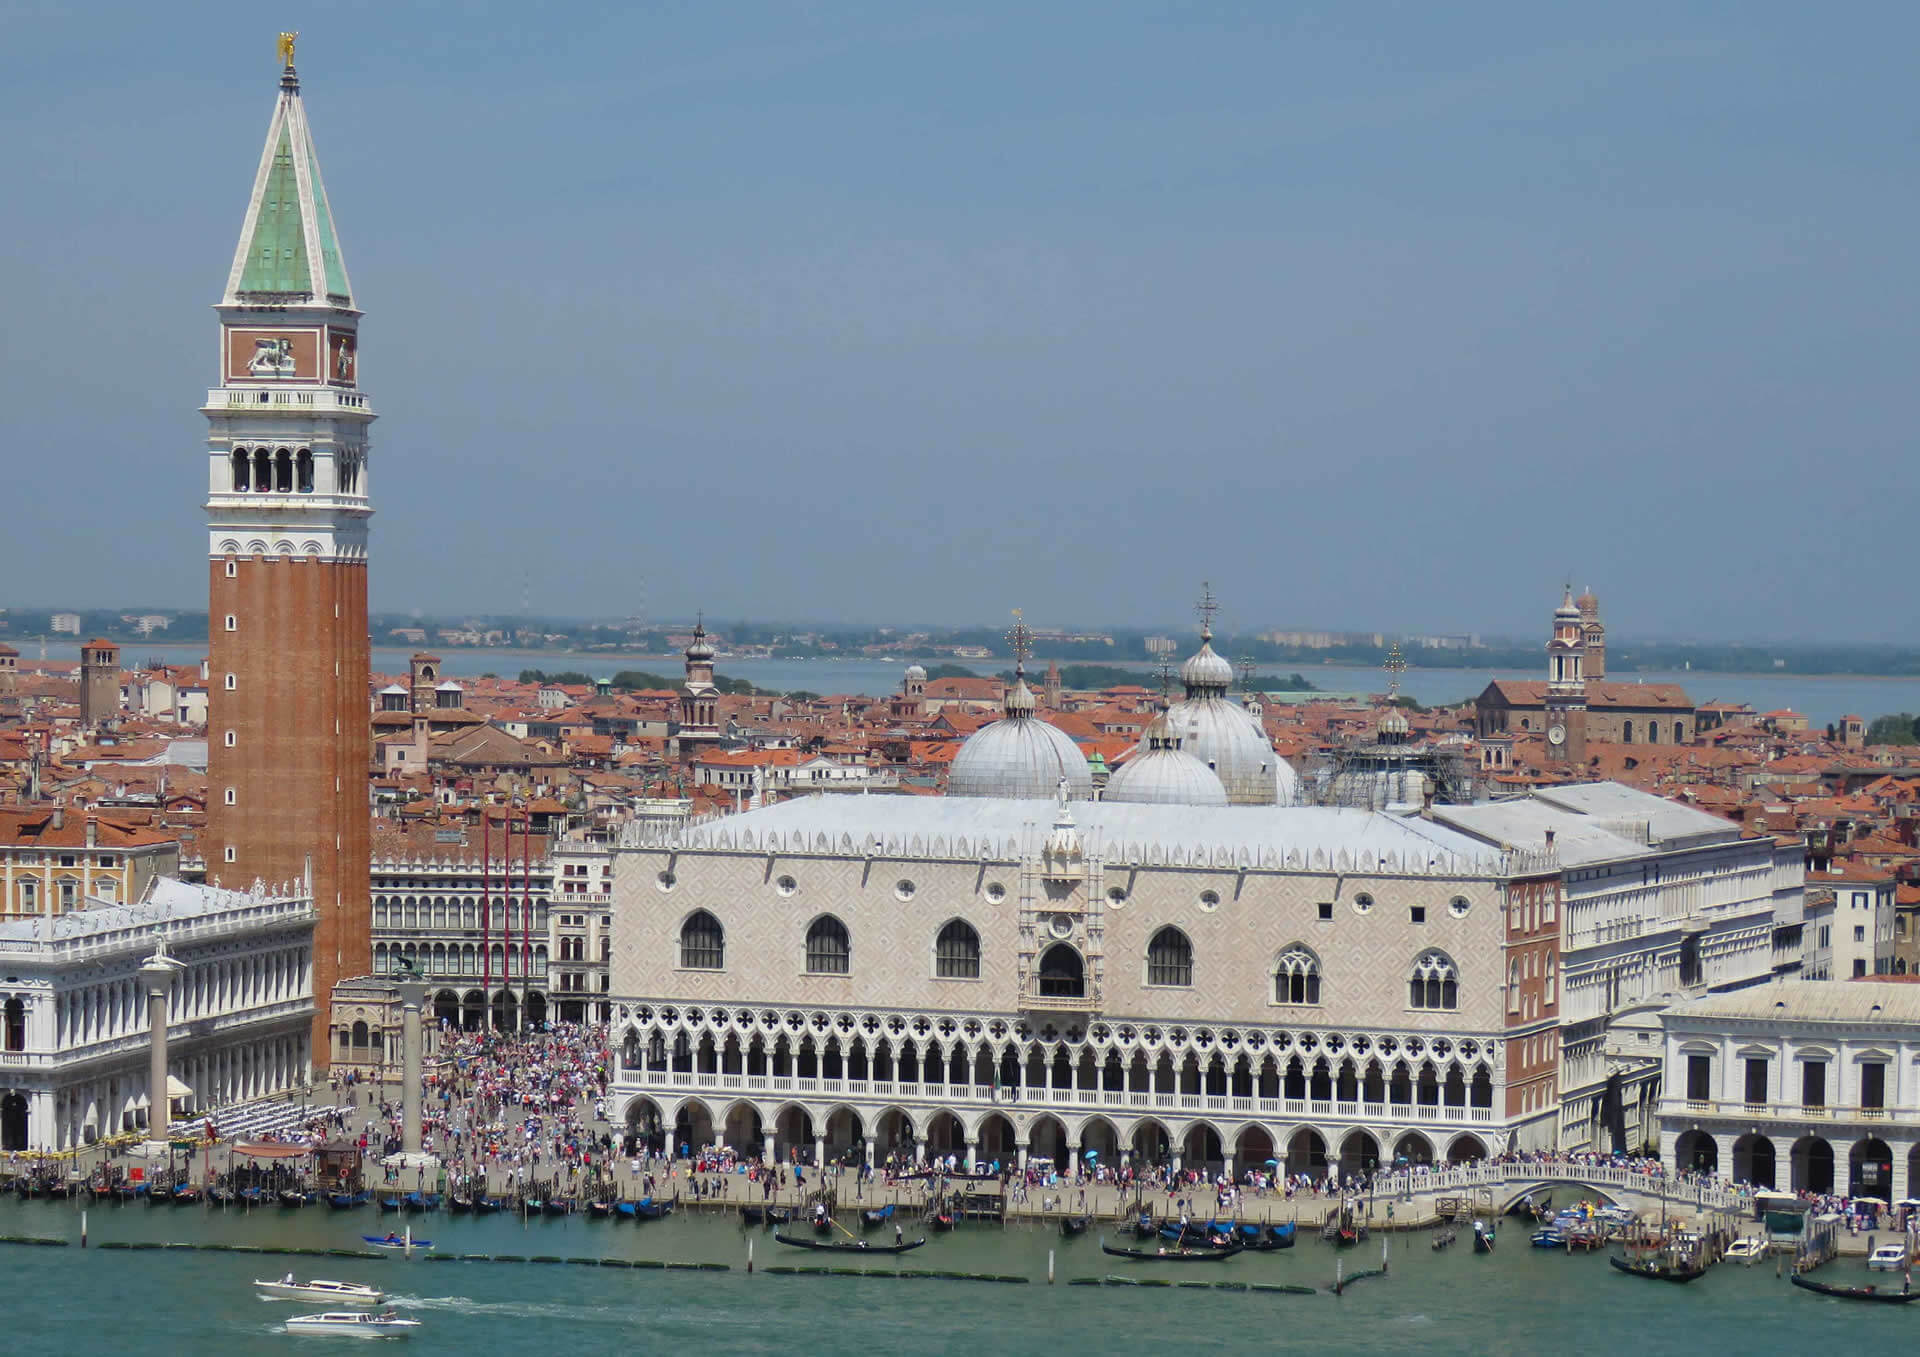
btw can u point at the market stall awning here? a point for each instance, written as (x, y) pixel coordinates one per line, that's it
(265, 1150)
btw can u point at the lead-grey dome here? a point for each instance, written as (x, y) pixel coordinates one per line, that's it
(1162, 773)
(1020, 756)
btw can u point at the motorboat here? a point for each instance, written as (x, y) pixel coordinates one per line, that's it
(1748, 1250)
(353, 1324)
(1888, 1258)
(331, 1293)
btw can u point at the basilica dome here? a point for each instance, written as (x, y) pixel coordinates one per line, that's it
(1020, 756)
(1225, 737)
(1163, 773)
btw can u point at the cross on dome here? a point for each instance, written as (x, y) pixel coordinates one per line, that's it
(1206, 608)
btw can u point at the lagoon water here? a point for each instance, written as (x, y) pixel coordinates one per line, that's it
(1822, 699)
(1519, 1301)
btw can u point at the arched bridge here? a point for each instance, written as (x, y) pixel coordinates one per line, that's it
(1504, 1184)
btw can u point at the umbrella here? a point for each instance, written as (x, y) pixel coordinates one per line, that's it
(1273, 1163)
(1092, 1154)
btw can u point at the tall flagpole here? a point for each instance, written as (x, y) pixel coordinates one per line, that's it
(526, 910)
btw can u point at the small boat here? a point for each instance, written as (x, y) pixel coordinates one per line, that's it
(1144, 1228)
(1548, 1239)
(941, 1220)
(1888, 1258)
(156, 1196)
(873, 1219)
(1074, 1225)
(1872, 1293)
(649, 1209)
(779, 1215)
(331, 1293)
(186, 1196)
(219, 1196)
(1482, 1237)
(485, 1206)
(626, 1210)
(1282, 1235)
(353, 1323)
(459, 1204)
(389, 1205)
(394, 1241)
(599, 1210)
(854, 1246)
(253, 1196)
(346, 1201)
(293, 1196)
(416, 1202)
(822, 1224)
(1176, 1254)
(1659, 1272)
(1747, 1250)
(557, 1206)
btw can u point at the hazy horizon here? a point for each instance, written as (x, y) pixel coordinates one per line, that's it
(1379, 313)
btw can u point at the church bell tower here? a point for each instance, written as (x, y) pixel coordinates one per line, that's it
(1566, 699)
(287, 508)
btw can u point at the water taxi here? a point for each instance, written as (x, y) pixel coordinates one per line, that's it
(353, 1324)
(1888, 1258)
(338, 1293)
(1748, 1250)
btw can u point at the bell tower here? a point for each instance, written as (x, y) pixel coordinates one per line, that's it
(289, 745)
(1566, 699)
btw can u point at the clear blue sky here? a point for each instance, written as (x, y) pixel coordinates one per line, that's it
(1375, 315)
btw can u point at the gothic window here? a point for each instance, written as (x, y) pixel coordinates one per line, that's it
(1062, 976)
(703, 942)
(829, 949)
(1170, 959)
(1296, 977)
(241, 463)
(956, 952)
(1435, 983)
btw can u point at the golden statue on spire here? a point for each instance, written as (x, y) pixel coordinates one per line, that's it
(286, 49)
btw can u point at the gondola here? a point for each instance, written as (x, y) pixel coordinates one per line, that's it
(1482, 1237)
(485, 1206)
(599, 1210)
(558, 1206)
(1179, 1255)
(389, 1204)
(1074, 1225)
(1660, 1272)
(649, 1209)
(186, 1195)
(779, 1215)
(823, 1224)
(293, 1196)
(941, 1220)
(858, 1246)
(1872, 1293)
(1282, 1235)
(626, 1210)
(159, 1196)
(345, 1201)
(874, 1219)
(459, 1204)
(753, 1215)
(1144, 1228)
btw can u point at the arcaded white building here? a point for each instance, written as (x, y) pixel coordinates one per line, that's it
(74, 1029)
(1803, 1086)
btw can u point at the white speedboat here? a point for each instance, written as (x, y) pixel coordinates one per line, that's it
(354, 1324)
(329, 1293)
(1888, 1258)
(1747, 1250)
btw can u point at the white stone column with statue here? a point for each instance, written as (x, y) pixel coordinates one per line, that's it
(156, 978)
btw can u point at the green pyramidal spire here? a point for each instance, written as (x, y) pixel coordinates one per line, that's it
(289, 252)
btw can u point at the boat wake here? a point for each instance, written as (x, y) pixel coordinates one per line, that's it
(526, 1309)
